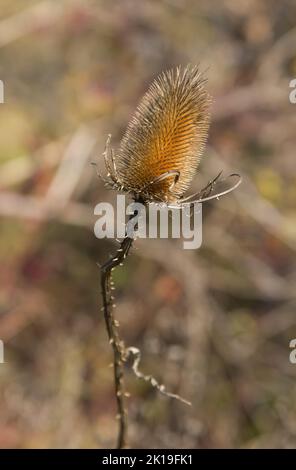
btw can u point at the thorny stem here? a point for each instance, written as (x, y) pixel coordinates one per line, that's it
(114, 339)
(120, 352)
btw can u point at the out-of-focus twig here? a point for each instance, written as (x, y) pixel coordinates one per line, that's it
(257, 207)
(75, 157)
(271, 66)
(265, 96)
(35, 208)
(27, 21)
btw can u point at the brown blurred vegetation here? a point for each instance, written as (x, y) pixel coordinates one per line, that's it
(214, 324)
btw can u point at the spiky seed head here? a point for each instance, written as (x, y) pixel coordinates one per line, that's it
(166, 134)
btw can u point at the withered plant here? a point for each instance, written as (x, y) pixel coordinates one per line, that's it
(155, 163)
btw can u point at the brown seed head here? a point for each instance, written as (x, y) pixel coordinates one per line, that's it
(166, 134)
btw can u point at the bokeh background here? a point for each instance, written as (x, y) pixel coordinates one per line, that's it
(214, 324)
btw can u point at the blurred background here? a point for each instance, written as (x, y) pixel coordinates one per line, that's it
(213, 324)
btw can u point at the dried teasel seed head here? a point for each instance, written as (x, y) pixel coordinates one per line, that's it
(161, 149)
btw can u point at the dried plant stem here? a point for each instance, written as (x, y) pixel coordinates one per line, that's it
(119, 354)
(136, 353)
